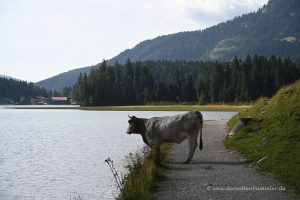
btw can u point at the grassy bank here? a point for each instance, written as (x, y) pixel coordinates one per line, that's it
(143, 172)
(170, 108)
(271, 141)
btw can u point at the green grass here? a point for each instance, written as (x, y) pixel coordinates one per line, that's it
(169, 108)
(143, 173)
(274, 132)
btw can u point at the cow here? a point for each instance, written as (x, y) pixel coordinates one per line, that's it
(169, 129)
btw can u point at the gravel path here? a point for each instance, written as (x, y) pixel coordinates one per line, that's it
(214, 169)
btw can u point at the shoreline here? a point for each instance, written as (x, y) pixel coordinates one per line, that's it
(216, 107)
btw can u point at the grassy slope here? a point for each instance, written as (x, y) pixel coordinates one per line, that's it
(275, 133)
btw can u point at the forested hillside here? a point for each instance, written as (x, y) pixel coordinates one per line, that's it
(16, 91)
(273, 29)
(181, 81)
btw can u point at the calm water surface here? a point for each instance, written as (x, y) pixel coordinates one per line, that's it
(59, 154)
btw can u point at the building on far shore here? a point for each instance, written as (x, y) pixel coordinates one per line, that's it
(39, 100)
(60, 100)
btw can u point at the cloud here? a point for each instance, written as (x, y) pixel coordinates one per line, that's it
(208, 12)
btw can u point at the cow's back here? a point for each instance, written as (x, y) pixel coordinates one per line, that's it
(173, 128)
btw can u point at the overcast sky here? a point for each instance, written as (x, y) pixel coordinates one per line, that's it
(42, 38)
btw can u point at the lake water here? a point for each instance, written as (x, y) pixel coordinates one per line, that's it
(59, 154)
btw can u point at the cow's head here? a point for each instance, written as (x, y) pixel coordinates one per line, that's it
(135, 125)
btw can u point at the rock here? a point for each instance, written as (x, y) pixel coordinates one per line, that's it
(240, 123)
(262, 159)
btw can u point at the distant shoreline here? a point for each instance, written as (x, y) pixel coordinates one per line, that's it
(216, 107)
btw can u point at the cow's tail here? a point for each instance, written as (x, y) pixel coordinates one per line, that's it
(199, 115)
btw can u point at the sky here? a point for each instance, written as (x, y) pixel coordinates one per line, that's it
(42, 38)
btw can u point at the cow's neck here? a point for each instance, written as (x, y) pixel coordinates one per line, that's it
(143, 132)
(142, 126)
(145, 139)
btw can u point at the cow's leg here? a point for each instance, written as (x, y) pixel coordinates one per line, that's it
(192, 142)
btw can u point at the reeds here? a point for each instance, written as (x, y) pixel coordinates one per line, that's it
(143, 171)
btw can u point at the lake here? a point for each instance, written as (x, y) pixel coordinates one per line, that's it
(59, 154)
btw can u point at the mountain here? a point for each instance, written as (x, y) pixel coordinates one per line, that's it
(273, 29)
(66, 79)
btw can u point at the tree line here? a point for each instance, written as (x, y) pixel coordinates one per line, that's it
(17, 91)
(185, 81)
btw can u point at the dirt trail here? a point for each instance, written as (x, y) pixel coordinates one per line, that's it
(215, 173)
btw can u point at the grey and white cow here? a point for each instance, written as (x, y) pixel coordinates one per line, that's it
(169, 129)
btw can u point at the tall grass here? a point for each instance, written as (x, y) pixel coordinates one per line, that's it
(143, 172)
